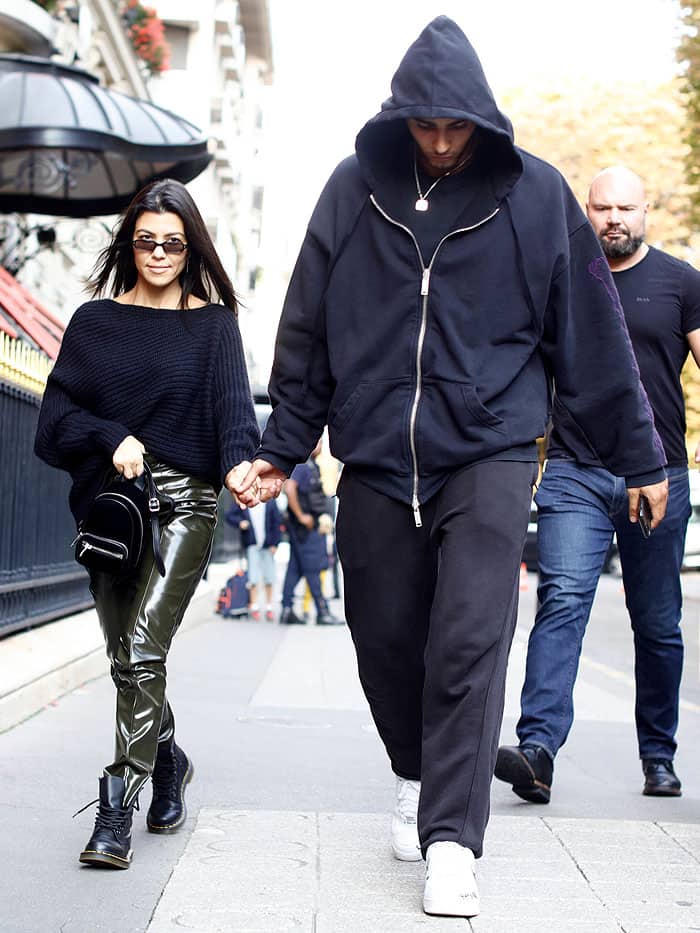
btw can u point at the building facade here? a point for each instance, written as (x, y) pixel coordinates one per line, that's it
(220, 65)
(220, 73)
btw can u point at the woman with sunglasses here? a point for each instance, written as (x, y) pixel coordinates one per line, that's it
(155, 372)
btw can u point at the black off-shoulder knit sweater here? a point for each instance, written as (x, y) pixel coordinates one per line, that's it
(176, 380)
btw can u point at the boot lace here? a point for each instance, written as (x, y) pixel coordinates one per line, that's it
(164, 778)
(108, 817)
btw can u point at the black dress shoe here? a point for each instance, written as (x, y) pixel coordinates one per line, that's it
(528, 768)
(171, 773)
(660, 780)
(289, 618)
(110, 843)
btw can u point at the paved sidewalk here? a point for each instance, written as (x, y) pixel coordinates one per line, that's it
(288, 821)
(43, 664)
(278, 872)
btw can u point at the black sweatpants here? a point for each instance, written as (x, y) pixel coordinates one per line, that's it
(432, 612)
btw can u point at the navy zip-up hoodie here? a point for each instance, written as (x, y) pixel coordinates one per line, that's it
(423, 364)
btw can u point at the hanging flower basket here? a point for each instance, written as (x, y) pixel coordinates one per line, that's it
(144, 28)
(147, 36)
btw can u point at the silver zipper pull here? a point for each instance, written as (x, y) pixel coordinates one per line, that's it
(416, 513)
(425, 282)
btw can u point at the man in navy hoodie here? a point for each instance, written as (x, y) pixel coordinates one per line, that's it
(581, 504)
(448, 280)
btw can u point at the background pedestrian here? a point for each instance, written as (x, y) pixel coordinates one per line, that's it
(580, 505)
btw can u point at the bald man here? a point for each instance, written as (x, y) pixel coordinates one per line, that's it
(580, 505)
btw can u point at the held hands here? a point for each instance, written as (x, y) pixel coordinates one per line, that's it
(657, 497)
(233, 480)
(128, 457)
(256, 482)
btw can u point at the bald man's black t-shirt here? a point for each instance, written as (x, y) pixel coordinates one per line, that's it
(660, 298)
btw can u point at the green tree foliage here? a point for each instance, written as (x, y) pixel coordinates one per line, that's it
(582, 130)
(688, 54)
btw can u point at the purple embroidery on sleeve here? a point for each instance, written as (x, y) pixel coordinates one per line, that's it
(599, 269)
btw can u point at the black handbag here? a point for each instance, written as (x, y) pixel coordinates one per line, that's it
(121, 521)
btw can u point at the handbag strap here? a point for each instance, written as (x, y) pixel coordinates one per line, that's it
(154, 511)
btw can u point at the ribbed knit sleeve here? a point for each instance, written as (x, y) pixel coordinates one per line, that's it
(174, 379)
(234, 413)
(67, 432)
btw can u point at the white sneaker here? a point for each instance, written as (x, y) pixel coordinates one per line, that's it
(404, 828)
(450, 884)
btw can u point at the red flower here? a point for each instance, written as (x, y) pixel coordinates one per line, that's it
(147, 35)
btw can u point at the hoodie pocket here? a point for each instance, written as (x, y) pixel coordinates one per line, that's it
(370, 426)
(455, 427)
(478, 411)
(344, 413)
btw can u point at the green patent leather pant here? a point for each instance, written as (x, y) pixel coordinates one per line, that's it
(140, 616)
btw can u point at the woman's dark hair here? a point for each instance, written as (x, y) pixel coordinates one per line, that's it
(115, 269)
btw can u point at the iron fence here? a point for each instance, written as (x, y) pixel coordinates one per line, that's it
(39, 580)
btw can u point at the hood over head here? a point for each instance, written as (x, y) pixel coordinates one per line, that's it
(439, 76)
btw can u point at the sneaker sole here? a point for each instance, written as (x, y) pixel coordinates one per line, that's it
(454, 909)
(407, 855)
(104, 860)
(513, 768)
(173, 827)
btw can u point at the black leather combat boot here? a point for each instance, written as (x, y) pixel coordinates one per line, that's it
(171, 773)
(110, 843)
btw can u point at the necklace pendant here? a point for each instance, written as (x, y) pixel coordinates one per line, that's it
(422, 205)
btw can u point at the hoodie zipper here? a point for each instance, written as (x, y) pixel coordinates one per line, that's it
(424, 291)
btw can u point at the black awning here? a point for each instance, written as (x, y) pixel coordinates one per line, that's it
(71, 148)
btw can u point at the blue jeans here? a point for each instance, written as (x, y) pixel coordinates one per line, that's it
(303, 562)
(579, 508)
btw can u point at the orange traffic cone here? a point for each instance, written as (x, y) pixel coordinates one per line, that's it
(524, 585)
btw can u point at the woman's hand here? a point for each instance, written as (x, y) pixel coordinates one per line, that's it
(262, 482)
(233, 480)
(128, 457)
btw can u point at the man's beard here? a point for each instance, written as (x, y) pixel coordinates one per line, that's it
(622, 247)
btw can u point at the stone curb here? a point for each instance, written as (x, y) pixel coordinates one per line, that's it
(43, 664)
